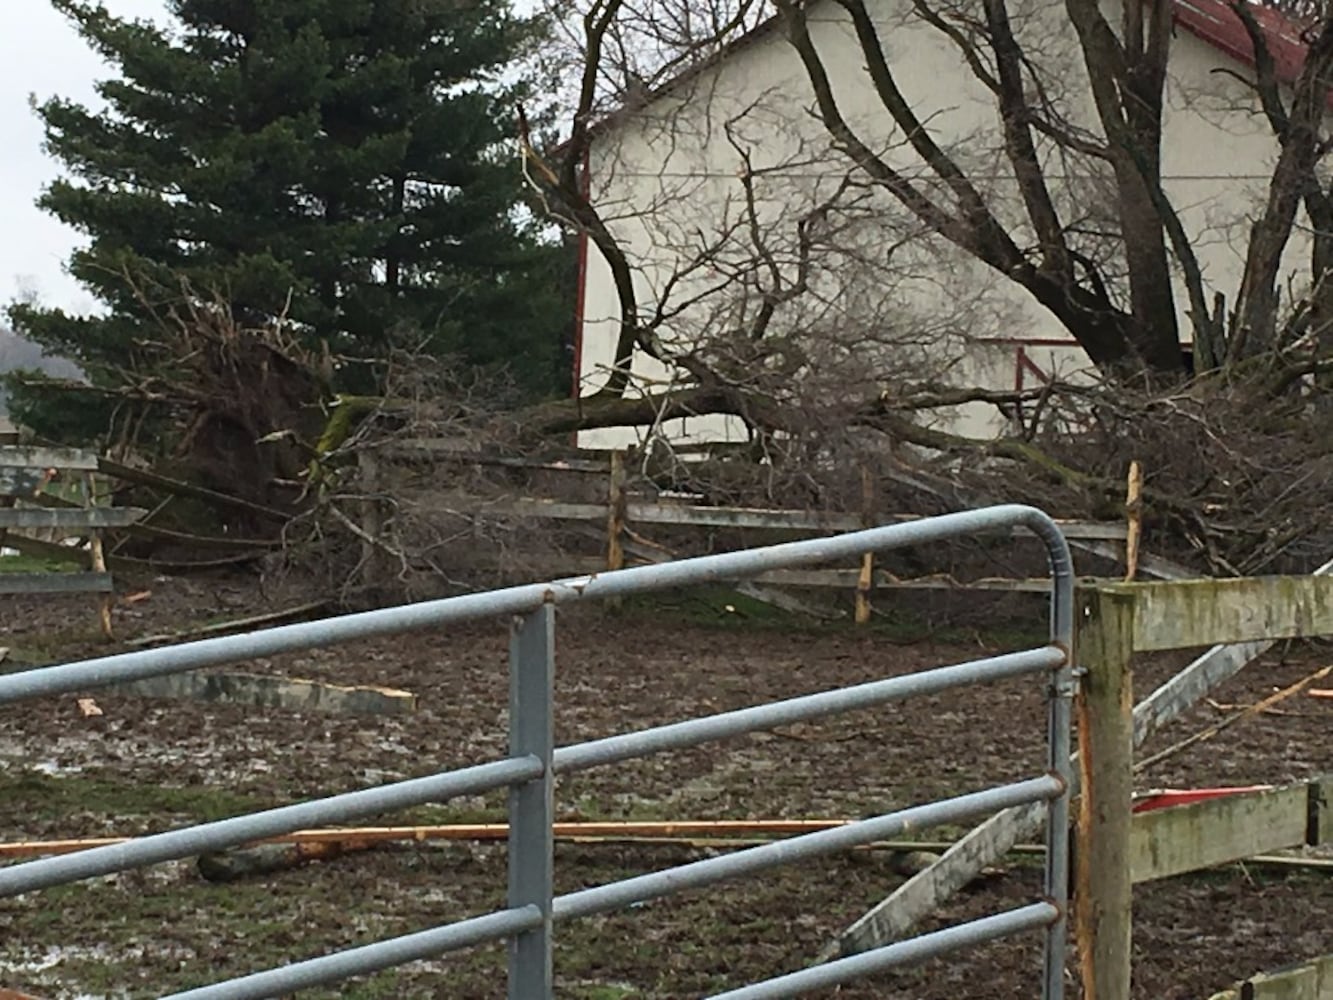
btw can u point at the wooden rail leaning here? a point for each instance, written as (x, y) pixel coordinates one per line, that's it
(657, 512)
(1114, 540)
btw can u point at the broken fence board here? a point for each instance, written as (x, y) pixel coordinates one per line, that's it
(923, 893)
(30, 518)
(1188, 613)
(263, 691)
(1186, 838)
(48, 458)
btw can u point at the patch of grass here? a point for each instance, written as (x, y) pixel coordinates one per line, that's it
(41, 796)
(618, 807)
(448, 815)
(37, 564)
(54, 646)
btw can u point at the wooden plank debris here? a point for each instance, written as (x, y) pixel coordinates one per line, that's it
(292, 694)
(1244, 712)
(924, 892)
(232, 625)
(702, 833)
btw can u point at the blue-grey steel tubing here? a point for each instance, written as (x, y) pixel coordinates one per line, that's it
(692, 732)
(70, 677)
(194, 840)
(156, 848)
(901, 953)
(1060, 696)
(617, 895)
(370, 957)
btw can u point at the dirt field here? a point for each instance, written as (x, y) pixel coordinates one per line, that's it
(150, 764)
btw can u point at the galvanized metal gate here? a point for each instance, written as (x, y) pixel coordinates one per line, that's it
(533, 763)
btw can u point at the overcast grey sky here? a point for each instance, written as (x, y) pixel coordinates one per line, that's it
(40, 54)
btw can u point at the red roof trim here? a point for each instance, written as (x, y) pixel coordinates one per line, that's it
(1217, 23)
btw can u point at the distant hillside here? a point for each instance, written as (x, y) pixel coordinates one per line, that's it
(16, 352)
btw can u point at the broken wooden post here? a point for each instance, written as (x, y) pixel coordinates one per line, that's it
(98, 559)
(616, 509)
(615, 513)
(865, 581)
(1104, 709)
(1134, 514)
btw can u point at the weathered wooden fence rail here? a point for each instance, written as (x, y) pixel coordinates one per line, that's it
(623, 511)
(28, 477)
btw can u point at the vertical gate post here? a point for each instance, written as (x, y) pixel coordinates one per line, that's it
(1059, 708)
(1106, 756)
(531, 852)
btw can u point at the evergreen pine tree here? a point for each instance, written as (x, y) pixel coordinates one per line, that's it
(340, 162)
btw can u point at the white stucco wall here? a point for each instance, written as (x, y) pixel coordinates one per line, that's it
(665, 177)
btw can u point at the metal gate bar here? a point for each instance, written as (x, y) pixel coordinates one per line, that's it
(891, 956)
(530, 769)
(727, 566)
(220, 834)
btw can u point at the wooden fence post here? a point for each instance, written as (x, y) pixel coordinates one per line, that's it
(616, 506)
(865, 582)
(1103, 648)
(374, 566)
(97, 558)
(615, 513)
(1134, 513)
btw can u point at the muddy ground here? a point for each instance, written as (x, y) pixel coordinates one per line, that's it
(150, 764)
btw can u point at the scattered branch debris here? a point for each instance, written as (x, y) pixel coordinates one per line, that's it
(1247, 712)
